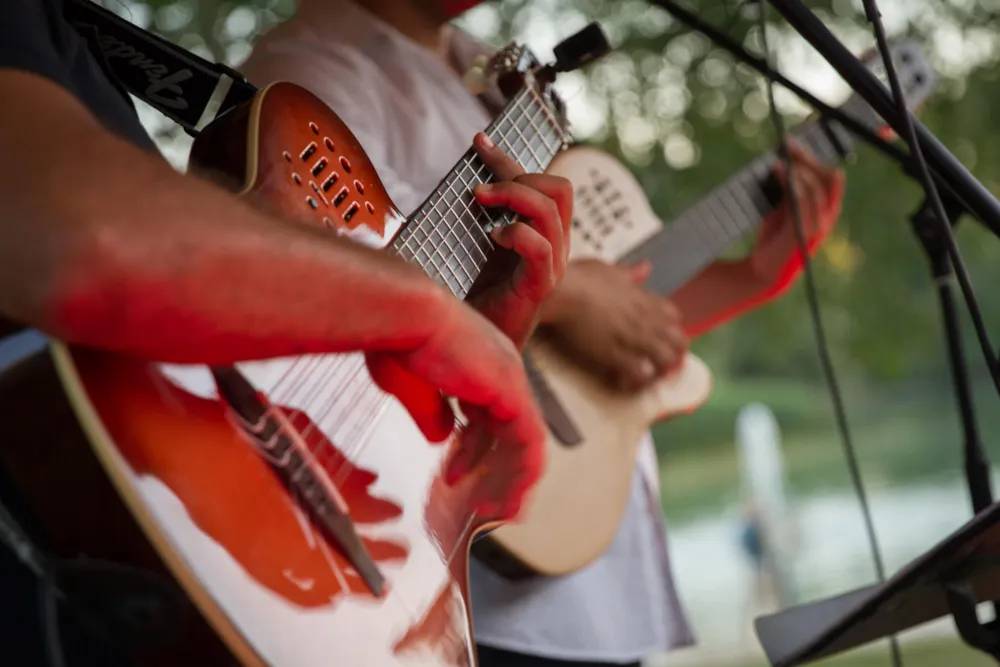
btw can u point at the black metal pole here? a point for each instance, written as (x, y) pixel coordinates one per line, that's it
(976, 461)
(970, 191)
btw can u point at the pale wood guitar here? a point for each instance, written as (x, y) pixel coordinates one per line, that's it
(574, 512)
(296, 504)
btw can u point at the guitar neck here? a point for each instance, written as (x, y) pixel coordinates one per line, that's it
(449, 234)
(704, 231)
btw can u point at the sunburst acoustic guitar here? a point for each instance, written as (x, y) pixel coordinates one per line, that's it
(296, 504)
(573, 513)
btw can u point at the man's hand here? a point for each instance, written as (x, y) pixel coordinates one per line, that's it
(603, 316)
(546, 202)
(776, 258)
(473, 361)
(470, 359)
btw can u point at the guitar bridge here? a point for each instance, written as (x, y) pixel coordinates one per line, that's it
(280, 445)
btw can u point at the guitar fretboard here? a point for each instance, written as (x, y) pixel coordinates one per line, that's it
(449, 234)
(704, 231)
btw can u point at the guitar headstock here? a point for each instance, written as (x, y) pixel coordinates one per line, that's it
(916, 78)
(515, 67)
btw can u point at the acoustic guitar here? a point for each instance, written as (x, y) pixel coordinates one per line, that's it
(574, 511)
(296, 504)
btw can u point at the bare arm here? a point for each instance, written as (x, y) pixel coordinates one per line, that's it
(104, 245)
(722, 291)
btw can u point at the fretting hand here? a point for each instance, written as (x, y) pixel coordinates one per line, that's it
(602, 315)
(474, 356)
(776, 260)
(546, 203)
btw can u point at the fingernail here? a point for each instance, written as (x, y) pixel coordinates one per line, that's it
(487, 142)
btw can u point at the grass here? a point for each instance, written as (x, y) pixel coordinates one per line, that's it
(902, 435)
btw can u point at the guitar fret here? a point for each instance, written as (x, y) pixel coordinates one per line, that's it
(473, 236)
(726, 219)
(552, 122)
(448, 235)
(540, 136)
(738, 198)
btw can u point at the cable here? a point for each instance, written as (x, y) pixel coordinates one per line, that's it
(13, 537)
(726, 43)
(954, 254)
(840, 412)
(47, 592)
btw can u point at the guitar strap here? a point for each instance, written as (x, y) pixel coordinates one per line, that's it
(188, 89)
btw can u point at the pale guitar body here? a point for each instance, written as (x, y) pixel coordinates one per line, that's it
(576, 509)
(212, 488)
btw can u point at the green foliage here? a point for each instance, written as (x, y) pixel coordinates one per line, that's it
(683, 116)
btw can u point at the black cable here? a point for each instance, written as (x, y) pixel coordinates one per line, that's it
(47, 592)
(14, 537)
(840, 413)
(727, 43)
(954, 254)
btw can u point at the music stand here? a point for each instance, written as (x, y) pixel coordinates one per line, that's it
(950, 579)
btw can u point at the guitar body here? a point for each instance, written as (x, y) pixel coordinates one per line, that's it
(574, 512)
(204, 492)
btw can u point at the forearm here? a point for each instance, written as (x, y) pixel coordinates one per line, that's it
(106, 246)
(721, 292)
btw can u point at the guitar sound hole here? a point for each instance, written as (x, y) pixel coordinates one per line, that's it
(329, 143)
(328, 183)
(345, 164)
(308, 151)
(359, 187)
(319, 166)
(341, 196)
(287, 156)
(370, 206)
(314, 127)
(349, 213)
(312, 203)
(319, 193)
(297, 179)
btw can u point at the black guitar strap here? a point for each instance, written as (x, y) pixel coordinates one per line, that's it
(188, 89)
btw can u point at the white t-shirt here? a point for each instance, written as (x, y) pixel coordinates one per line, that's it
(415, 119)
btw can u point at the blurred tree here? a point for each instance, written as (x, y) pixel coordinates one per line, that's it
(683, 116)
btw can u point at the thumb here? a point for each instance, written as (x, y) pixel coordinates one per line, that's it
(639, 272)
(426, 405)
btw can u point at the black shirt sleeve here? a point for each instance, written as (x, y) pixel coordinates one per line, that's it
(35, 37)
(29, 38)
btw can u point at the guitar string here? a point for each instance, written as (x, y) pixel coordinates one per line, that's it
(371, 389)
(812, 298)
(504, 142)
(723, 216)
(515, 106)
(353, 409)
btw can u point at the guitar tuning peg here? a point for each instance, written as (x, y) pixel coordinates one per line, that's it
(475, 79)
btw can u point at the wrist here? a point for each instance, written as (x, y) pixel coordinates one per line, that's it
(754, 273)
(557, 307)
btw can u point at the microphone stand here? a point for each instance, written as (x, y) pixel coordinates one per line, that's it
(924, 222)
(976, 198)
(960, 193)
